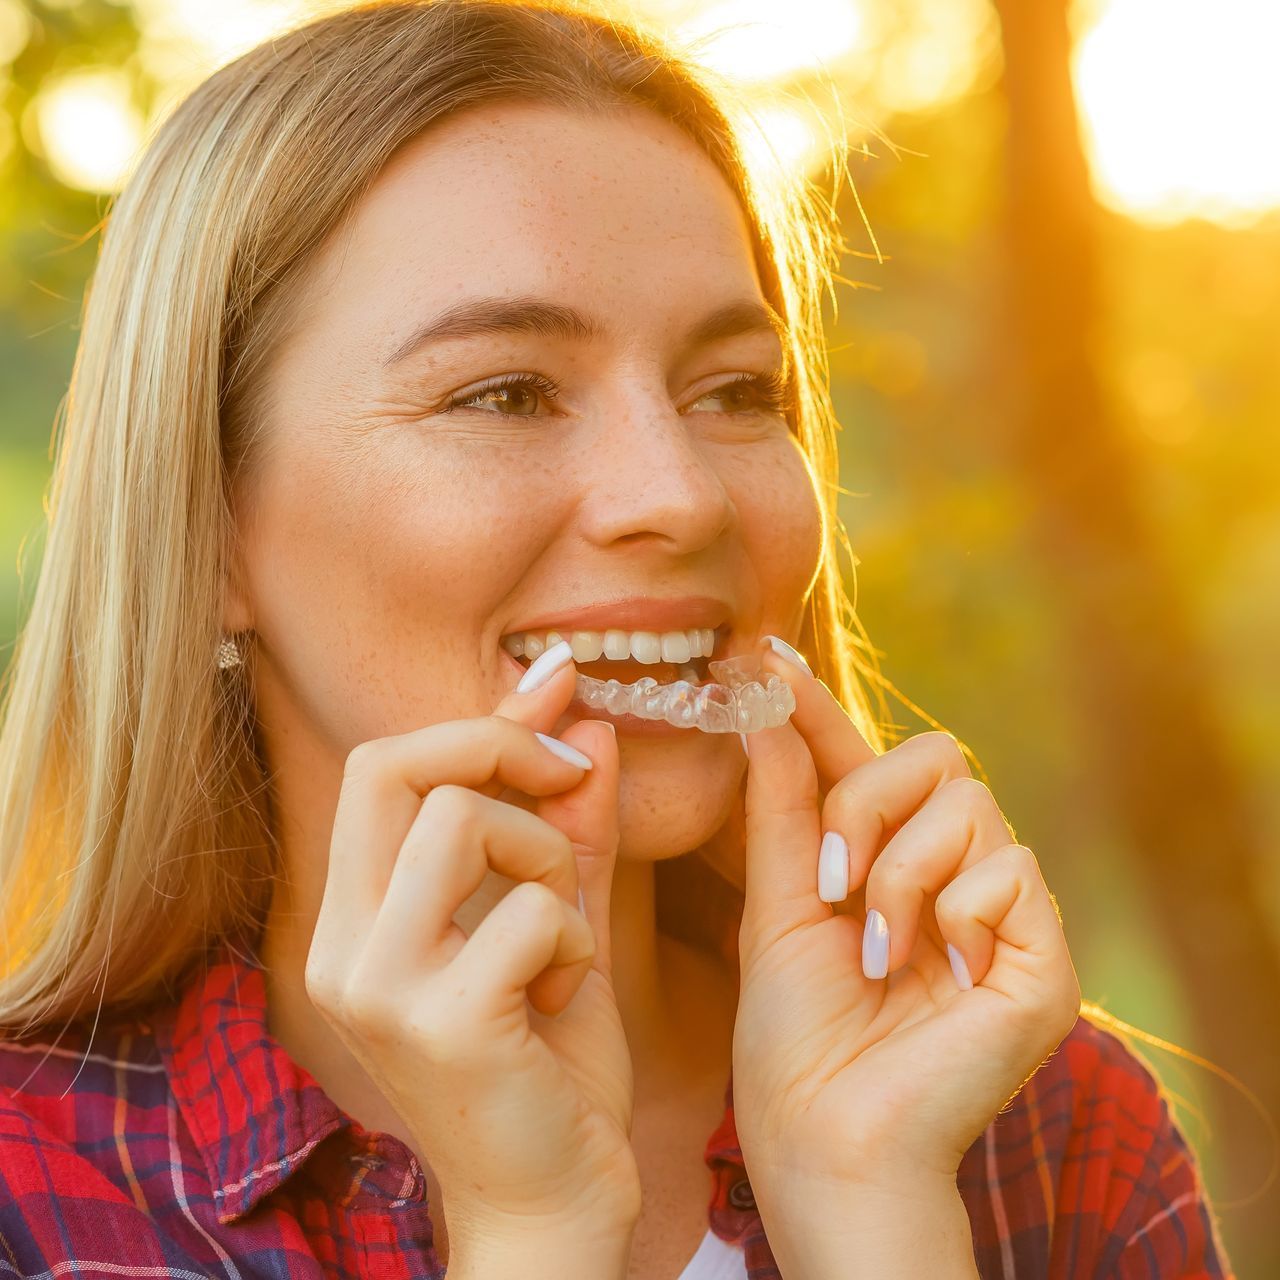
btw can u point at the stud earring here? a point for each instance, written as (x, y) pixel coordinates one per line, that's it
(229, 654)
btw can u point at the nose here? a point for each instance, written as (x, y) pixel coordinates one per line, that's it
(646, 478)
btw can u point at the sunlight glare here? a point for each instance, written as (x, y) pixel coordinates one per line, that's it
(763, 40)
(1179, 100)
(89, 129)
(777, 136)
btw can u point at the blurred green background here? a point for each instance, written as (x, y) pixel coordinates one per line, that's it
(1056, 359)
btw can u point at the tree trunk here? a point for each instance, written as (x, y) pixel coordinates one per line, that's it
(1163, 762)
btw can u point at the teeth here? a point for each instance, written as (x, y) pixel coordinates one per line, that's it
(587, 645)
(646, 646)
(680, 647)
(675, 646)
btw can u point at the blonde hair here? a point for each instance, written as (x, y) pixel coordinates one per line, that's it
(135, 826)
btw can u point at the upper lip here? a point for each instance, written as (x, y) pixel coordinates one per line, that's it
(634, 613)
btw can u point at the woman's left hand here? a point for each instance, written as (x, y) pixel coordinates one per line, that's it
(844, 1080)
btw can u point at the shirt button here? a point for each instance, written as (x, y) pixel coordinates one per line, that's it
(741, 1196)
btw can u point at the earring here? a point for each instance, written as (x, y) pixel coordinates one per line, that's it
(229, 654)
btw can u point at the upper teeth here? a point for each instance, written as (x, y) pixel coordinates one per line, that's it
(643, 646)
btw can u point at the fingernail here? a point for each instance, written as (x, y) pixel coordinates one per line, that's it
(875, 945)
(582, 906)
(833, 868)
(746, 750)
(959, 968)
(562, 749)
(784, 650)
(544, 666)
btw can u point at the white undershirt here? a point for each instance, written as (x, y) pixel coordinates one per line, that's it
(716, 1259)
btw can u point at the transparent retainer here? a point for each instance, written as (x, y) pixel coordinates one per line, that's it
(739, 698)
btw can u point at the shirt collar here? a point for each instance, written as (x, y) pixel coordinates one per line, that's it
(255, 1114)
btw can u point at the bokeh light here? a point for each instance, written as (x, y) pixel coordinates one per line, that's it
(88, 128)
(1179, 100)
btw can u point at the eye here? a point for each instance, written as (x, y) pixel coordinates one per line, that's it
(518, 392)
(754, 393)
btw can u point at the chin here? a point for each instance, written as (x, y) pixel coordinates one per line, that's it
(666, 808)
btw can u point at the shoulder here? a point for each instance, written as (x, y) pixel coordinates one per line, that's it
(1087, 1163)
(80, 1109)
(69, 1079)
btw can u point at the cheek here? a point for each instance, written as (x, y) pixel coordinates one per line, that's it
(782, 524)
(378, 563)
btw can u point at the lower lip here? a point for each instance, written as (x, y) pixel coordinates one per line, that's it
(632, 726)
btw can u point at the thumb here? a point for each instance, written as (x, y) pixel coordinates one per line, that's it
(588, 815)
(782, 825)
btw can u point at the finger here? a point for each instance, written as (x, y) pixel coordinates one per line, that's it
(544, 691)
(873, 801)
(956, 827)
(386, 779)
(833, 739)
(587, 814)
(456, 838)
(781, 839)
(529, 931)
(1001, 918)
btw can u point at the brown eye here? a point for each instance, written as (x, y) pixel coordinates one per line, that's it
(516, 397)
(753, 393)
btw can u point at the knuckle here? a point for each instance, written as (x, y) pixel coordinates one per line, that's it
(972, 793)
(1021, 861)
(321, 987)
(536, 900)
(442, 1030)
(368, 1011)
(362, 759)
(946, 906)
(945, 747)
(456, 807)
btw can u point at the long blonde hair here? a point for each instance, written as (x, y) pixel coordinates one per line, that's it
(135, 825)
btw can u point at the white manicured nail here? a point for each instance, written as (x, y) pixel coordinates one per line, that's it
(582, 906)
(875, 945)
(959, 968)
(784, 650)
(562, 749)
(745, 749)
(833, 868)
(545, 666)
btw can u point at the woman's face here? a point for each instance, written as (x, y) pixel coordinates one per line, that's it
(405, 516)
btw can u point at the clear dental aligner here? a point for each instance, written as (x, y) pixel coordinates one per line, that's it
(735, 700)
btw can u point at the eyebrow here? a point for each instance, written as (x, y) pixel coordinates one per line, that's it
(478, 316)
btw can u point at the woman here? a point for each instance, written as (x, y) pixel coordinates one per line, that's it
(437, 351)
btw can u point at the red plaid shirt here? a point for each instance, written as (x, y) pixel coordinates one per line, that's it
(183, 1141)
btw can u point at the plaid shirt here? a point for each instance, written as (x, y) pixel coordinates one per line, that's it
(183, 1141)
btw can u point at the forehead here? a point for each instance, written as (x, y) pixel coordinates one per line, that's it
(618, 212)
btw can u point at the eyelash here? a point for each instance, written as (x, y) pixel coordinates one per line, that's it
(772, 388)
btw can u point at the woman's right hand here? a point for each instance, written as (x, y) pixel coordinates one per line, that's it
(524, 1113)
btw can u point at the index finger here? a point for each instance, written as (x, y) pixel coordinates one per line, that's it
(835, 743)
(386, 780)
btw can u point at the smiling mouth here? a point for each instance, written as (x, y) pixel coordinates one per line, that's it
(627, 656)
(671, 676)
